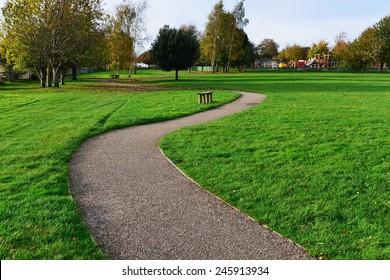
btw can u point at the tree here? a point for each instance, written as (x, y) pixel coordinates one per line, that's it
(120, 42)
(223, 40)
(138, 29)
(69, 23)
(363, 51)
(25, 47)
(248, 56)
(340, 48)
(128, 31)
(176, 49)
(237, 38)
(45, 35)
(211, 43)
(147, 58)
(295, 52)
(94, 53)
(383, 36)
(267, 49)
(321, 49)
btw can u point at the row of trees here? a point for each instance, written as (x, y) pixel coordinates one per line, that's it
(50, 36)
(224, 43)
(371, 47)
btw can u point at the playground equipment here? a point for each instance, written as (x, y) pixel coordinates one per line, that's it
(319, 61)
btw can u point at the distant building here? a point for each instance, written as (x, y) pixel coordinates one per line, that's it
(269, 64)
(142, 65)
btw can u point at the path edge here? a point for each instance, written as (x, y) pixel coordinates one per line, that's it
(246, 216)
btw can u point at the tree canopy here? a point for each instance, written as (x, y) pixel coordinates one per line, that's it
(383, 34)
(294, 52)
(50, 36)
(45, 35)
(267, 49)
(321, 49)
(176, 49)
(126, 33)
(363, 51)
(224, 41)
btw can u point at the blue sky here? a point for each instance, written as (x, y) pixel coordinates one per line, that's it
(286, 21)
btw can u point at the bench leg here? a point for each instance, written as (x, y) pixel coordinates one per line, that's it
(205, 98)
(209, 98)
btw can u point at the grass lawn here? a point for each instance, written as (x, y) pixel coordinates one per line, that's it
(40, 131)
(312, 162)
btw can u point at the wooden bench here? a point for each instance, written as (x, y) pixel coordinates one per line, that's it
(205, 97)
(114, 76)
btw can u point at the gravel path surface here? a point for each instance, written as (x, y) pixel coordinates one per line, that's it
(139, 206)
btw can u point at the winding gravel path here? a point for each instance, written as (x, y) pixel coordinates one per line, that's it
(139, 206)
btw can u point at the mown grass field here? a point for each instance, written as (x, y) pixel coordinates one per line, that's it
(312, 161)
(40, 131)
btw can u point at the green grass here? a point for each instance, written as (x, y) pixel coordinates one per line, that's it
(40, 131)
(312, 162)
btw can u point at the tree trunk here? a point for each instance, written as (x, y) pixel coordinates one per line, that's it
(49, 74)
(177, 74)
(42, 76)
(43, 82)
(56, 77)
(74, 74)
(63, 78)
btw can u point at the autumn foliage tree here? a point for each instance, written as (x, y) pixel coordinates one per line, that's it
(321, 49)
(363, 51)
(127, 31)
(294, 52)
(383, 35)
(120, 43)
(45, 35)
(224, 41)
(339, 49)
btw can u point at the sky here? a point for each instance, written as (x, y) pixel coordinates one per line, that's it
(302, 22)
(290, 22)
